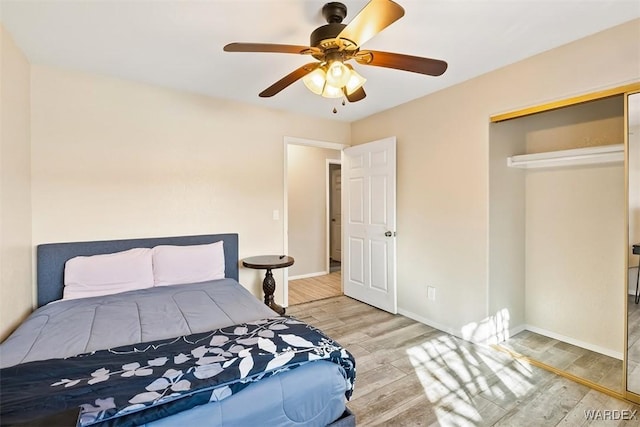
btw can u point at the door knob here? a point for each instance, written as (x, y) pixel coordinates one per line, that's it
(388, 234)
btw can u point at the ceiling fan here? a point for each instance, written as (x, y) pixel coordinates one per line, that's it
(335, 43)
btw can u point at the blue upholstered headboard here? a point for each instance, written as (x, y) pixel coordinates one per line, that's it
(52, 256)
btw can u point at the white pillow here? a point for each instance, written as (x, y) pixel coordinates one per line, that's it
(175, 265)
(91, 276)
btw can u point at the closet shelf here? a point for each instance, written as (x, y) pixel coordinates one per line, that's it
(578, 156)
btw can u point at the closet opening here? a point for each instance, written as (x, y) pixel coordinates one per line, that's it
(557, 237)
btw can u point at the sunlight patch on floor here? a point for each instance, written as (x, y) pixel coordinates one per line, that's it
(460, 378)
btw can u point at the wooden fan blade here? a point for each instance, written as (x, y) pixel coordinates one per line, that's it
(415, 64)
(269, 48)
(373, 18)
(289, 79)
(356, 96)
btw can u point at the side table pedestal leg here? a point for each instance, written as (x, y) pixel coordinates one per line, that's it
(269, 287)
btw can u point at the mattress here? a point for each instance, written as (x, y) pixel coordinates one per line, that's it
(311, 394)
(69, 327)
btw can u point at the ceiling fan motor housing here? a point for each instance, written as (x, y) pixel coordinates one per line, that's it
(326, 32)
(334, 13)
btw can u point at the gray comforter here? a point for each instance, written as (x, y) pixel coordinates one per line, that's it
(70, 327)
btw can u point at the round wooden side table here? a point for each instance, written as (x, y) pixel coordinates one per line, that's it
(269, 262)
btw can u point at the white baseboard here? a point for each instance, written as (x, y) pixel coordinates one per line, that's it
(429, 322)
(458, 333)
(308, 275)
(573, 341)
(514, 331)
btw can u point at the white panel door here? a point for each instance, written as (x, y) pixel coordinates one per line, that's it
(369, 222)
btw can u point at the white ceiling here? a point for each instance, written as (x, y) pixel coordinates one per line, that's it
(178, 44)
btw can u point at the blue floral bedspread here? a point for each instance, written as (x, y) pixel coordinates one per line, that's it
(140, 383)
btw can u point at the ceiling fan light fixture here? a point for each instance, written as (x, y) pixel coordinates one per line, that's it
(355, 81)
(338, 74)
(315, 81)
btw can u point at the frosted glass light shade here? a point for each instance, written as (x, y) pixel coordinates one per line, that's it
(355, 82)
(331, 91)
(315, 81)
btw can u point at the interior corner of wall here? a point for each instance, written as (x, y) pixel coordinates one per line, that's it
(491, 330)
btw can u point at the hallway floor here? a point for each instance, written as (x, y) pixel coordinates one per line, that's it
(315, 288)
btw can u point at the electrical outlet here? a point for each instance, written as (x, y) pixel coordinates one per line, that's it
(431, 293)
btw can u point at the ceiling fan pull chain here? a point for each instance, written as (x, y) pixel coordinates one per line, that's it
(343, 103)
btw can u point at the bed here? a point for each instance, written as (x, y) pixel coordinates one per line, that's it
(193, 352)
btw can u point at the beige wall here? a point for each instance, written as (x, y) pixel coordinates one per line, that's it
(15, 186)
(589, 124)
(307, 192)
(574, 254)
(443, 170)
(115, 159)
(507, 214)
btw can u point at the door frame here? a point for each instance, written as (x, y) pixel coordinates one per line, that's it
(292, 140)
(328, 211)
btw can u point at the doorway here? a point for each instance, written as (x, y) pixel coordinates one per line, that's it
(312, 220)
(334, 204)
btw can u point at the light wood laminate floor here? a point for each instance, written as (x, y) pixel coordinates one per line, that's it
(409, 374)
(603, 370)
(315, 288)
(590, 365)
